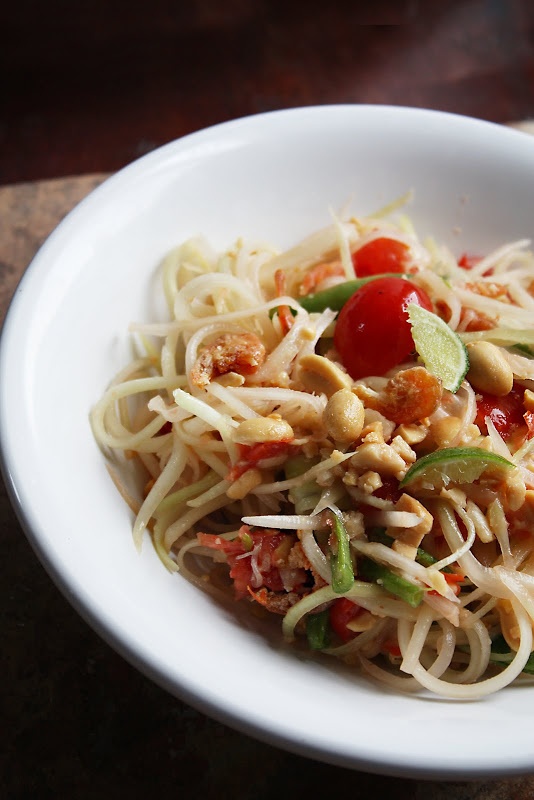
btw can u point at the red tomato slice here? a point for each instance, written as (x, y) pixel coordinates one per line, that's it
(506, 413)
(340, 613)
(467, 261)
(251, 454)
(373, 333)
(379, 256)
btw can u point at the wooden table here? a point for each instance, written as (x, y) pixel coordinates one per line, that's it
(87, 87)
(77, 720)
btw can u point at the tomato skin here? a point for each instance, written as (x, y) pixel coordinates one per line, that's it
(379, 256)
(251, 454)
(468, 261)
(506, 413)
(340, 613)
(373, 333)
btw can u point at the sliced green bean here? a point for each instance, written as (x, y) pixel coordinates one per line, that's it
(341, 562)
(304, 497)
(423, 557)
(501, 654)
(336, 296)
(318, 630)
(395, 584)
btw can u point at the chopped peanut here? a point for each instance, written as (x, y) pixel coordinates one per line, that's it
(369, 482)
(373, 433)
(514, 491)
(403, 449)
(407, 540)
(379, 457)
(445, 430)
(412, 434)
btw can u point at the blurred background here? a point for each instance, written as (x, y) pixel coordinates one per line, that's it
(85, 88)
(89, 86)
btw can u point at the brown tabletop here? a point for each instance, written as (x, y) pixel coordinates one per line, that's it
(87, 87)
(77, 720)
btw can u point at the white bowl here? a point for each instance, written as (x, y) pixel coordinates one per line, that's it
(273, 177)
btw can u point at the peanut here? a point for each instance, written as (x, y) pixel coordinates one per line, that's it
(343, 416)
(488, 369)
(445, 430)
(263, 429)
(322, 376)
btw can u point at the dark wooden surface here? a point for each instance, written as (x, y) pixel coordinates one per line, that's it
(87, 87)
(84, 89)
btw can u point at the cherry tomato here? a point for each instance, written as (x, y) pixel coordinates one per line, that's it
(506, 413)
(379, 256)
(373, 333)
(340, 613)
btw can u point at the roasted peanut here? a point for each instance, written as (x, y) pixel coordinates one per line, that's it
(407, 540)
(488, 369)
(343, 416)
(412, 434)
(445, 430)
(379, 458)
(528, 400)
(320, 375)
(263, 429)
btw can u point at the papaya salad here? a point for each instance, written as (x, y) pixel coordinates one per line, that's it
(342, 436)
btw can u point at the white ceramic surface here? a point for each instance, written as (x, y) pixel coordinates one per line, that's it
(273, 177)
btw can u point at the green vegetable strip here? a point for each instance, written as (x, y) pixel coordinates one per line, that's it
(304, 497)
(502, 655)
(409, 592)
(174, 500)
(422, 557)
(336, 297)
(341, 562)
(318, 630)
(523, 350)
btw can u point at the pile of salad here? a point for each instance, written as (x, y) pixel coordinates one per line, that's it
(341, 435)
